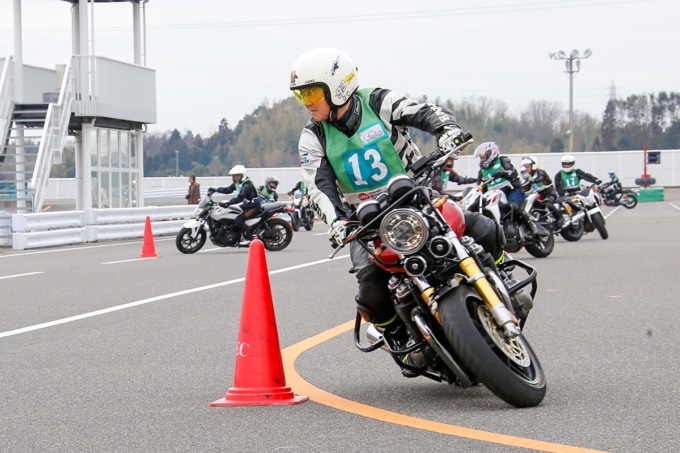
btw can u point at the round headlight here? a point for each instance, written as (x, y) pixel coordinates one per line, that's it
(404, 231)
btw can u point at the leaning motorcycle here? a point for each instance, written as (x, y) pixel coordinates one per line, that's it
(584, 205)
(304, 215)
(217, 222)
(493, 203)
(614, 195)
(464, 312)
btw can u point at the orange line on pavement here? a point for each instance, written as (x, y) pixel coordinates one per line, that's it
(302, 387)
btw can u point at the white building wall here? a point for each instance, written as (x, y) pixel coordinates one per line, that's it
(628, 165)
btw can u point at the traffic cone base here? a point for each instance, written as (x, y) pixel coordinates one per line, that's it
(148, 248)
(259, 397)
(258, 375)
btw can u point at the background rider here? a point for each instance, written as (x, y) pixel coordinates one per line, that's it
(246, 195)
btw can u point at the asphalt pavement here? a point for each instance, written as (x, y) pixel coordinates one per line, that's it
(102, 351)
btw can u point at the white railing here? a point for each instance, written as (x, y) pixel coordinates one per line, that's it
(47, 229)
(6, 99)
(113, 89)
(52, 140)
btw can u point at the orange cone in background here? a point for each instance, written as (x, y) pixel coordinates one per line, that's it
(258, 375)
(148, 249)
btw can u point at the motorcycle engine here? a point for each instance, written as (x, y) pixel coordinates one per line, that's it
(224, 236)
(522, 302)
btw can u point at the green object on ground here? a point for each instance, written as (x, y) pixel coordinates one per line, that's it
(651, 194)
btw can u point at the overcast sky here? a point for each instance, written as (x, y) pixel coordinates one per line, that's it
(215, 60)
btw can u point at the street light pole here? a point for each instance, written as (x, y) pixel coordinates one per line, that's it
(572, 68)
(176, 162)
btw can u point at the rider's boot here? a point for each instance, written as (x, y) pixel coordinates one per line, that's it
(247, 238)
(396, 333)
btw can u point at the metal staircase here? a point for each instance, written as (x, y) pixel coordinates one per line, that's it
(31, 140)
(18, 156)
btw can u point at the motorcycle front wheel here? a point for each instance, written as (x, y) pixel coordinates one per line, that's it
(309, 220)
(275, 234)
(294, 221)
(543, 246)
(598, 223)
(187, 244)
(507, 367)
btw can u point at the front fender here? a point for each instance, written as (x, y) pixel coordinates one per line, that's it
(592, 211)
(195, 225)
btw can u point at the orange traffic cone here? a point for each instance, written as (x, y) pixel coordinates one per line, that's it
(258, 375)
(148, 249)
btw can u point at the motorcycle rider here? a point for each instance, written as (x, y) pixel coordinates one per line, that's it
(503, 176)
(299, 186)
(612, 186)
(534, 178)
(268, 192)
(568, 180)
(355, 140)
(449, 174)
(246, 195)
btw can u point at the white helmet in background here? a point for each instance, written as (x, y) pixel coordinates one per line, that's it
(238, 170)
(530, 160)
(568, 161)
(329, 68)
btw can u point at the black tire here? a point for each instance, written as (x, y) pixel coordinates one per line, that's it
(295, 221)
(544, 246)
(598, 223)
(186, 244)
(308, 222)
(276, 234)
(463, 315)
(629, 200)
(573, 232)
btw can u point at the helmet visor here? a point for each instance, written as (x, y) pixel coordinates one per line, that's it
(309, 96)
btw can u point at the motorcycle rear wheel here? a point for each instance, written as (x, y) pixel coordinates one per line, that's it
(598, 223)
(628, 200)
(574, 231)
(508, 368)
(187, 244)
(276, 234)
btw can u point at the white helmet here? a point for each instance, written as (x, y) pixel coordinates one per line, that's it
(530, 160)
(489, 151)
(568, 161)
(329, 68)
(238, 170)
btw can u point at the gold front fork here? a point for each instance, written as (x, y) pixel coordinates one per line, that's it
(498, 310)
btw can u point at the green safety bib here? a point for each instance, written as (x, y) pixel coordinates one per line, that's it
(497, 183)
(570, 180)
(364, 162)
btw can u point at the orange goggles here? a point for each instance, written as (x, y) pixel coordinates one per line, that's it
(309, 96)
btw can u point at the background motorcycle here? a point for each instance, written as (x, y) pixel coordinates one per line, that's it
(463, 312)
(614, 195)
(304, 215)
(494, 204)
(217, 222)
(585, 206)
